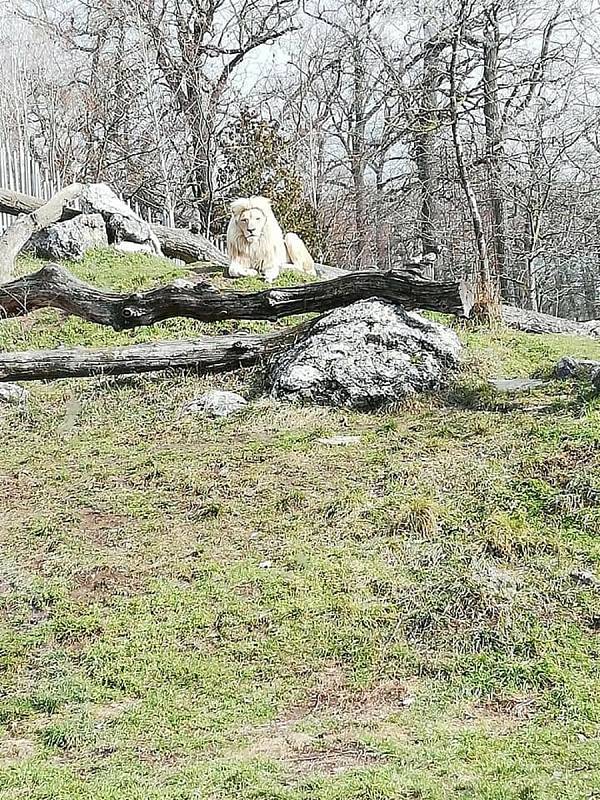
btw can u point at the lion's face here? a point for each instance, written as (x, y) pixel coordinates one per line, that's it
(251, 223)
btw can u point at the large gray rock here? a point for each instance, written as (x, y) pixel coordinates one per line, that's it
(125, 229)
(72, 239)
(369, 354)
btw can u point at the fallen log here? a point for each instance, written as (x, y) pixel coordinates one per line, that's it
(188, 247)
(206, 354)
(14, 239)
(55, 287)
(174, 242)
(536, 322)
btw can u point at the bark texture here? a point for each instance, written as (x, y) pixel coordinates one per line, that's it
(204, 355)
(175, 242)
(20, 232)
(55, 287)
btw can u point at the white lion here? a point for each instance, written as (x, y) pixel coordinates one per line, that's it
(256, 244)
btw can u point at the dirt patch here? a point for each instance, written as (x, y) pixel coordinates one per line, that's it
(560, 469)
(102, 583)
(111, 711)
(346, 711)
(332, 695)
(101, 526)
(302, 753)
(501, 714)
(14, 750)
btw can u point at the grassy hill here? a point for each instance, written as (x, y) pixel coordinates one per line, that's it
(194, 609)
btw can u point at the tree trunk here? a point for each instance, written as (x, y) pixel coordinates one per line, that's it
(55, 287)
(202, 144)
(203, 355)
(428, 124)
(536, 322)
(14, 239)
(494, 147)
(529, 247)
(381, 235)
(358, 154)
(486, 298)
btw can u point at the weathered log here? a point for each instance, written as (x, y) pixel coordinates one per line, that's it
(174, 242)
(536, 322)
(55, 287)
(188, 247)
(207, 354)
(14, 239)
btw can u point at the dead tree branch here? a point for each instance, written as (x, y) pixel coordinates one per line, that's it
(20, 232)
(55, 287)
(204, 355)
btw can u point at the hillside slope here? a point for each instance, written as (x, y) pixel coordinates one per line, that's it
(238, 609)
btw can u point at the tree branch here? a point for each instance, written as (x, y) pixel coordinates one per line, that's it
(203, 355)
(55, 287)
(14, 239)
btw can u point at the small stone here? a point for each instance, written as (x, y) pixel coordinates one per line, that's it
(216, 403)
(565, 368)
(516, 384)
(496, 580)
(13, 394)
(569, 367)
(585, 577)
(339, 440)
(265, 564)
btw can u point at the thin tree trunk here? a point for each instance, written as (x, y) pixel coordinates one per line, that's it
(494, 147)
(358, 154)
(428, 123)
(381, 236)
(486, 296)
(529, 247)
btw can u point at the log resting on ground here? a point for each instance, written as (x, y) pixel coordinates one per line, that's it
(207, 354)
(175, 242)
(537, 322)
(14, 239)
(55, 287)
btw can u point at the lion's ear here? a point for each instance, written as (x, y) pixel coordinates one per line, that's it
(237, 206)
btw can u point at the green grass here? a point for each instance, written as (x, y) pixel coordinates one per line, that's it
(231, 609)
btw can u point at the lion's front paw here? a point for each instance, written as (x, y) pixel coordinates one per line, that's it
(237, 270)
(271, 275)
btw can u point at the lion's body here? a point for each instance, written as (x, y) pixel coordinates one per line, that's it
(256, 244)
